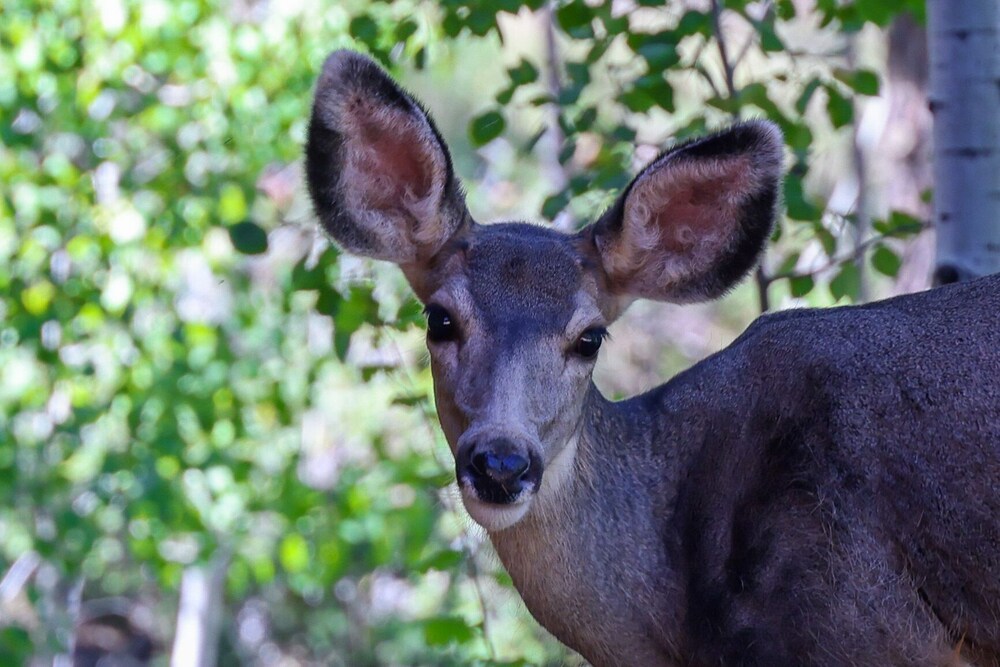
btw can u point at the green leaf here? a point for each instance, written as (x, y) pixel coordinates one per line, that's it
(554, 204)
(886, 261)
(446, 559)
(405, 30)
(445, 630)
(659, 55)
(409, 314)
(786, 10)
(504, 97)
(308, 279)
(524, 73)
(480, 21)
(769, 40)
(846, 283)
(248, 238)
(15, 645)
(803, 102)
(899, 225)
(798, 207)
(410, 400)
(364, 29)
(36, 299)
(329, 300)
(801, 286)
(232, 203)
(452, 24)
(358, 308)
(864, 82)
(341, 343)
(574, 15)
(879, 12)
(839, 108)
(486, 127)
(694, 22)
(586, 119)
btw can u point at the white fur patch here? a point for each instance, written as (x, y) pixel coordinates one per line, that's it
(491, 516)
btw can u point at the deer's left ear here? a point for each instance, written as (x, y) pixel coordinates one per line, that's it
(694, 221)
(378, 171)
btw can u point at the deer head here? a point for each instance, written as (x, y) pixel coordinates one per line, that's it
(516, 313)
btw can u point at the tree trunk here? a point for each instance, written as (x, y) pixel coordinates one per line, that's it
(965, 101)
(199, 614)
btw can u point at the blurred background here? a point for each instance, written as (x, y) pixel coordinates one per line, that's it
(217, 436)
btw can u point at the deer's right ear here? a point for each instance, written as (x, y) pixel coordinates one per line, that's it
(379, 174)
(695, 220)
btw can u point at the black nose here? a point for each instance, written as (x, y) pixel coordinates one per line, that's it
(501, 468)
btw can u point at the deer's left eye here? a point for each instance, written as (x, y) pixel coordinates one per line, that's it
(441, 325)
(589, 342)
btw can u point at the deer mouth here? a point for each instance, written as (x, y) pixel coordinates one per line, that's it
(495, 516)
(497, 492)
(497, 483)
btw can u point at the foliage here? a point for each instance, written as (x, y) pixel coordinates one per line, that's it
(188, 370)
(647, 55)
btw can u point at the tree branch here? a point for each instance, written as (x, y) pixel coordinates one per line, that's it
(727, 66)
(856, 254)
(553, 79)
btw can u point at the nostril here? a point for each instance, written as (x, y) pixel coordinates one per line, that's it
(479, 463)
(500, 467)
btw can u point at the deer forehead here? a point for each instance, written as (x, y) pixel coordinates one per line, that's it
(524, 276)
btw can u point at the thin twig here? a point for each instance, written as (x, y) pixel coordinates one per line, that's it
(761, 278)
(727, 66)
(862, 218)
(553, 79)
(853, 256)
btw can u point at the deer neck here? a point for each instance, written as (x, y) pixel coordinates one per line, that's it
(590, 562)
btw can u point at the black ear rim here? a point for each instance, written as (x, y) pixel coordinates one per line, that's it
(760, 139)
(345, 70)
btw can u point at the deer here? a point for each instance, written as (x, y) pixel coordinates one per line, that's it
(823, 491)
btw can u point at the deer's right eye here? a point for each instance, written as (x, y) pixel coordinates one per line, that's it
(441, 325)
(589, 342)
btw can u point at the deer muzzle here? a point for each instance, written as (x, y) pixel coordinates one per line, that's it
(498, 470)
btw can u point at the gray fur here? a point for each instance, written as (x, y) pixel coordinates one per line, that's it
(823, 492)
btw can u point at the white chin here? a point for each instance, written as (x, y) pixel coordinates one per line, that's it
(495, 517)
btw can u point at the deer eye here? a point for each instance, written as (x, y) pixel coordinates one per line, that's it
(589, 342)
(441, 327)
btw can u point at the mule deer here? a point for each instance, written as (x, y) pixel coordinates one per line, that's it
(824, 491)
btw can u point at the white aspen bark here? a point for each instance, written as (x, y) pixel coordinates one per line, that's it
(965, 100)
(199, 615)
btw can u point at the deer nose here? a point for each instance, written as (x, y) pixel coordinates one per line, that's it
(501, 468)
(498, 469)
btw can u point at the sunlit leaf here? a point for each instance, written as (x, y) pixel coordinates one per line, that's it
(294, 553)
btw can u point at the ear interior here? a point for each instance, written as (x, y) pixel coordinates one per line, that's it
(686, 212)
(695, 220)
(392, 169)
(380, 175)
